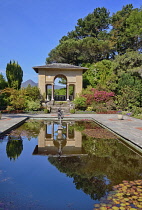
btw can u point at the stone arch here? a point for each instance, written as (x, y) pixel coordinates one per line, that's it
(60, 91)
(60, 75)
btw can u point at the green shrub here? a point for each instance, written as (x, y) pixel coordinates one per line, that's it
(128, 98)
(46, 111)
(32, 93)
(3, 99)
(17, 98)
(136, 111)
(72, 111)
(89, 108)
(80, 102)
(33, 105)
(10, 108)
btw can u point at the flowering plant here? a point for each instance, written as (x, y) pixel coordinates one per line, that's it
(98, 96)
(124, 112)
(129, 113)
(119, 112)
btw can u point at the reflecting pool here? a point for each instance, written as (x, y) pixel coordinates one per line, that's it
(73, 165)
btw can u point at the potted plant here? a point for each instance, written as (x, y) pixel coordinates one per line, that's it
(0, 115)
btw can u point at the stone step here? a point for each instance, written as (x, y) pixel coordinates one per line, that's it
(64, 109)
(65, 106)
(61, 105)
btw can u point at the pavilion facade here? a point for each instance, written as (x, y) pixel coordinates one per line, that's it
(48, 73)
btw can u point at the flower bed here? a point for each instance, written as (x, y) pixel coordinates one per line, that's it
(11, 112)
(107, 112)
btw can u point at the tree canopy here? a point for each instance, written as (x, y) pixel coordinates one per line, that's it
(14, 74)
(131, 61)
(94, 24)
(3, 83)
(100, 36)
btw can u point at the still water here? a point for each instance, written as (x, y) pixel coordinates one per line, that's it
(76, 165)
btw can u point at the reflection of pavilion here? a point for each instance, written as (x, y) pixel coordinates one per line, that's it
(54, 141)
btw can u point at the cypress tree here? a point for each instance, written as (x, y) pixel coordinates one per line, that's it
(14, 74)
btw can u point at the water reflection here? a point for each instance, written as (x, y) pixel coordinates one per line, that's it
(59, 140)
(90, 154)
(97, 174)
(94, 158)
(14, 147)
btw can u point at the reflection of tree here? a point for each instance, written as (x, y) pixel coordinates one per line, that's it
(84, 179)
(99, 147)
(14, 147)
(85, 124)
(30, 129)
(64, 130)
(108, 163)
(79, 126)
(70, 131)
(122, 162)
(94, 186)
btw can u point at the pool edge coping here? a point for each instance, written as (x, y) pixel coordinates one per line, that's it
(127, 141)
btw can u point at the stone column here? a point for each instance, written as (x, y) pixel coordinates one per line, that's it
(67, 131)
(47, 96)
(67, 92)
(78, 139)
(41, 81)
(52, 94)
(52, 128)
(41, 138)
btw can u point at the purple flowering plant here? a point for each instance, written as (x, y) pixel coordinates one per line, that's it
(129, 113)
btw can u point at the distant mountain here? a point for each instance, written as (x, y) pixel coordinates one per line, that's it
(29, 82)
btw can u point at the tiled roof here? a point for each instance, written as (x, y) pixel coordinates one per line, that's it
(58, 65)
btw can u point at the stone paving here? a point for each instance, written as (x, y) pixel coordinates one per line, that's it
(10, 121)
(129, 128)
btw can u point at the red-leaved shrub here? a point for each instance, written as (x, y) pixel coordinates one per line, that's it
(98, 96)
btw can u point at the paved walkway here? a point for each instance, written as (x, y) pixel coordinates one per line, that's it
(129, 128)
(10, 121)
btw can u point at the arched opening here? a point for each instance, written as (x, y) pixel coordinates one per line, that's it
(60, 88)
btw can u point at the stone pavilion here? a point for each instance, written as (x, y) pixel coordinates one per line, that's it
(70, 73)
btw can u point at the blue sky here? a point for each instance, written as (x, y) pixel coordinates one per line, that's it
(30, 29)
